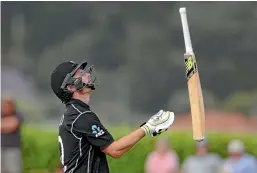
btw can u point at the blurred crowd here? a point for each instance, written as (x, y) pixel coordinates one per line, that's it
(163, 159)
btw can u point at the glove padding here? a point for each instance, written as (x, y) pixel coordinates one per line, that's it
(158, 123)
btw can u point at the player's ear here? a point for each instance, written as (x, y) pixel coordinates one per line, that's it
(71, 88)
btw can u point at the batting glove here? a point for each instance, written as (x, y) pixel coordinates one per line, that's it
(158, 123)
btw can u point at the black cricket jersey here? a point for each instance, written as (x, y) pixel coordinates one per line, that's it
(81, 139)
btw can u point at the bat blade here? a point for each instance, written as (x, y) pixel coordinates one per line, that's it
(195, 97)
(193, 82)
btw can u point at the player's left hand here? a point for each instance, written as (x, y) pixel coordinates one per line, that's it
(158, 123)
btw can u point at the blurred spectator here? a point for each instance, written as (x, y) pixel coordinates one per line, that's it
(239, 161)
(59, 169)
(10, 137)
(202, 161)
(162, 160)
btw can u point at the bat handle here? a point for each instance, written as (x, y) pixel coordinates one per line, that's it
(186, 33)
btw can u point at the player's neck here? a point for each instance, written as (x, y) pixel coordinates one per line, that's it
(84, 98)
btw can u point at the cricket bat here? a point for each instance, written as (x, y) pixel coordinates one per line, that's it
(193, 82)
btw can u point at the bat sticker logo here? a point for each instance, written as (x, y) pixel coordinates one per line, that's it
(191, 66)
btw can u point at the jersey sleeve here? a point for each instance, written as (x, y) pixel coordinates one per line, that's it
(92, 129)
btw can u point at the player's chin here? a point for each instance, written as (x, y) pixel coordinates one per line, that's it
(86, 91)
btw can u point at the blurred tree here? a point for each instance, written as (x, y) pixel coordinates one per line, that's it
(241, 101)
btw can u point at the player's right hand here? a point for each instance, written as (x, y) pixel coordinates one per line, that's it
(158, 123)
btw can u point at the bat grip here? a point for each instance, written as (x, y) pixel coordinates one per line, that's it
(187, 39)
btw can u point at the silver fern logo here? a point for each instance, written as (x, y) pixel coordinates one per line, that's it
(97, 131)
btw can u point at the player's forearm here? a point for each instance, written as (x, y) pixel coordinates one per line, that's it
(129, 141)
(125, 150)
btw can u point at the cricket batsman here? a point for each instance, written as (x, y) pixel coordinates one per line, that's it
(83, 139)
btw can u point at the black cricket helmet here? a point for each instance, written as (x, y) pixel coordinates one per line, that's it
(63, 76)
